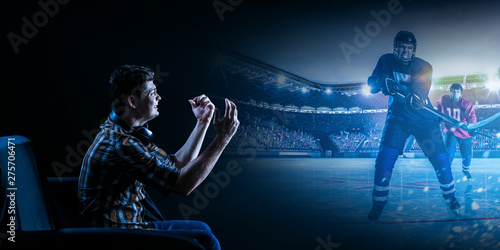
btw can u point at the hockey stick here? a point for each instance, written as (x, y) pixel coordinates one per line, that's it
(453, 122)
(484, 122)
(437, 113)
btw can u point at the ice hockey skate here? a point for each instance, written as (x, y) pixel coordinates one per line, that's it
(467, 175)
(375, 212)
(453, 204)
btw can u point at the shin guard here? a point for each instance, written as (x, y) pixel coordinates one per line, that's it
(383, 171)
(442, 168)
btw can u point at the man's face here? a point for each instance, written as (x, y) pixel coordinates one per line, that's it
(455, 95)
(405, 51)
(148, 103)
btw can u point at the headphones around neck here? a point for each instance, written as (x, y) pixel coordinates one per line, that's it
(142, 133)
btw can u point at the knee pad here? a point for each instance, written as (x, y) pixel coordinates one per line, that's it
(451, 153)
(451, 150)
(383, 167)
(440, 161)
(387, 156)
(442, 168)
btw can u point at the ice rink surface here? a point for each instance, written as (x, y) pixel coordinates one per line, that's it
(303, 203)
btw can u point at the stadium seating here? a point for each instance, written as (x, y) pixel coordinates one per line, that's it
(264, 130)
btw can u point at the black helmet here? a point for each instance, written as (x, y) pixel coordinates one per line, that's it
(456, 86)
(404, 37)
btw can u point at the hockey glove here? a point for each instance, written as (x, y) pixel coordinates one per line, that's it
(415, 101)
(374, 83)
(472, 132)
(389, 87)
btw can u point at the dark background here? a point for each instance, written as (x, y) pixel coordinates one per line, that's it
(56, 85)
(54, 89)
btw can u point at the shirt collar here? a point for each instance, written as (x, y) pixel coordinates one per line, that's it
(115, 118)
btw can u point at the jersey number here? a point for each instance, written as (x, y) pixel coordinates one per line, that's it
(400, 77)
(455, 115)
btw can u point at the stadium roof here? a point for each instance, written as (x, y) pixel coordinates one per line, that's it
(256, 83)
(339, 42)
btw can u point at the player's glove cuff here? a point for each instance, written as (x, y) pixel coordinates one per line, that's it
(389, 86)
(415, 101)
(374, 83)
(472, 132)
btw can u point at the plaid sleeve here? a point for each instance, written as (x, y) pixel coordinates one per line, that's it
(150, 166)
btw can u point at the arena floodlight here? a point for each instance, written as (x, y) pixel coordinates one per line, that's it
(493, 83)
(365, 89)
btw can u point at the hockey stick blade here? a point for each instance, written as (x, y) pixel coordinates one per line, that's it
(474, 126)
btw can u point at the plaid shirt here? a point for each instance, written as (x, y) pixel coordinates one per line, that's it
(114, 172)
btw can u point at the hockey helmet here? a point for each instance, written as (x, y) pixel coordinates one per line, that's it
(401, 38)
(454, 95)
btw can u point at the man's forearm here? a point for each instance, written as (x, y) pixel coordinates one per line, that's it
(194, 172)
(190, 150)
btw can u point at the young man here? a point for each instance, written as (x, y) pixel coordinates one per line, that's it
(402, 71)
(123, 159)
(462, 110)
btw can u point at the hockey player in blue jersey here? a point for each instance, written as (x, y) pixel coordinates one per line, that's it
(403, 72)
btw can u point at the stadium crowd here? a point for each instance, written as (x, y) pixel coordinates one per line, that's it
(347, 142)
(266, 130)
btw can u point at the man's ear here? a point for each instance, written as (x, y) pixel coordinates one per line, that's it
(132, 101)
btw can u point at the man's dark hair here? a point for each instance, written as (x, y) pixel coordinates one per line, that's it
(456, 86)
(127, 80)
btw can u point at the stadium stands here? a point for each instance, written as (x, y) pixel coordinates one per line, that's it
(270, 130)
(280, 111)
